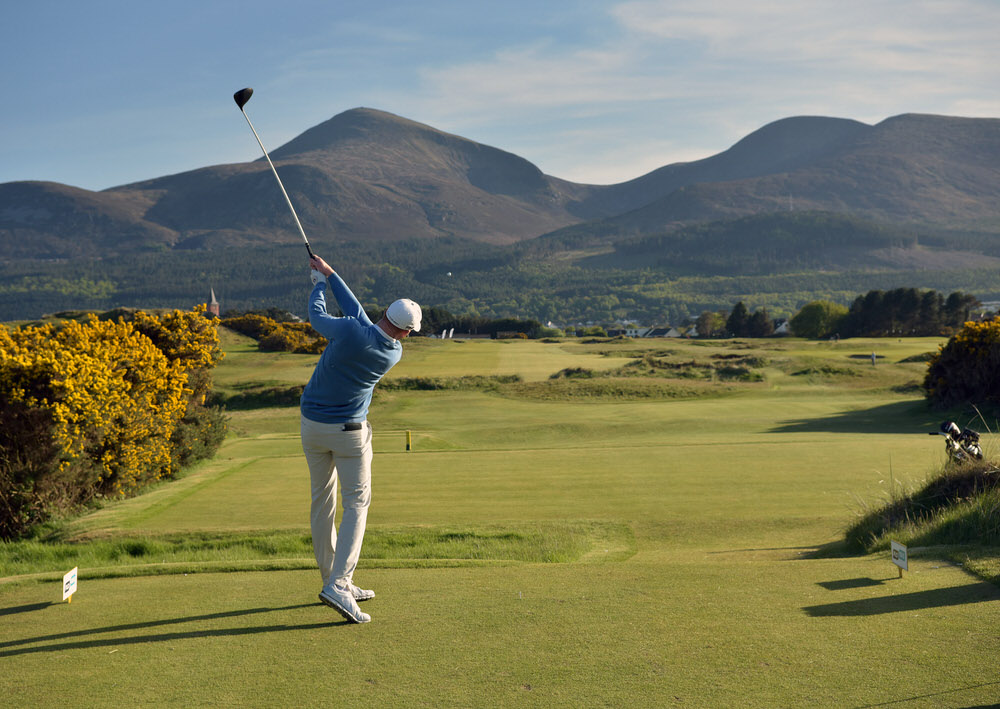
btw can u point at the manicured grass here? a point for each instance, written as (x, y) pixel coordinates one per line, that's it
(538, 547)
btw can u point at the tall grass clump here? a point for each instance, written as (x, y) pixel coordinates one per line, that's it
(960, 505)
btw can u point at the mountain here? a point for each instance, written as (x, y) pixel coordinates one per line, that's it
(371, 176)
(778, 147)
(362, 175)
(918, 170)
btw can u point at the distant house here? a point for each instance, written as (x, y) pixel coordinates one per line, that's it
(782, 326)
(660, 332)
(213, 305)
(637, 331)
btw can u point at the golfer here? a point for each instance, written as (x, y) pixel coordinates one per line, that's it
(336, 435)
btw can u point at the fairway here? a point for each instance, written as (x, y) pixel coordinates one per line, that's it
(611, 542)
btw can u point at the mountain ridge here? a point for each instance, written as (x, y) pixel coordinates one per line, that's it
(367, 175)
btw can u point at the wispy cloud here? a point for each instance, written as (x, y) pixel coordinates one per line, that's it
(726, 65)
(588, 90)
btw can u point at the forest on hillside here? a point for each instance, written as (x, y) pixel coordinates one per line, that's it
(766, 262)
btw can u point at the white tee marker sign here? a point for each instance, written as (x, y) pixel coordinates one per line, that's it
(69, 585)
(899, 557)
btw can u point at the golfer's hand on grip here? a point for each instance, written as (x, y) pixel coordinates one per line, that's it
(318, 264)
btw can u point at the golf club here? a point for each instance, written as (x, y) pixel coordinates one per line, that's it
(241, 97)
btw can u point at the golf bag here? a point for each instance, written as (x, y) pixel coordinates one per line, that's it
(961, 444)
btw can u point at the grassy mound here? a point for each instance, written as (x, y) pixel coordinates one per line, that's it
(959, 506)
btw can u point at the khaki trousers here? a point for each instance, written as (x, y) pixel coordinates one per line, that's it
(333, 453)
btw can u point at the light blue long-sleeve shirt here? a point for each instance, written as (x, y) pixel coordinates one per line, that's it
(358, 356)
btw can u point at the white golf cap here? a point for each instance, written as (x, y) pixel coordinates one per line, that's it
(404, 314)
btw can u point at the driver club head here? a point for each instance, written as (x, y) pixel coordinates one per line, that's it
(242, 96)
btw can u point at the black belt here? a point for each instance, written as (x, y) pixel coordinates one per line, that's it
(352, 427)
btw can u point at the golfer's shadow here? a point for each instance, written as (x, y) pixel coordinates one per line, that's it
(71, 639)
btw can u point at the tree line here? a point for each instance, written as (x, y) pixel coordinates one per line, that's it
(908, 312)
(738, 323)
(897, 312)
(529, 281)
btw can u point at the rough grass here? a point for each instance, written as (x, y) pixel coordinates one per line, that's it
(133, 555)
(475, 382)
(614, 389)
(959, 505)
(257, 396)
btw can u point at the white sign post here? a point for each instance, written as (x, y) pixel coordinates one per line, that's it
(899, 557)
(69, 585)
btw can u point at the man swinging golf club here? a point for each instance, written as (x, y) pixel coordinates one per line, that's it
(336, 436)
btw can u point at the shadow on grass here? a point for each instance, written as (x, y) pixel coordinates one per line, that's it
(11, 648)
(944, 693)
(830, 550)
(919, 600)
(844, 584)
(13, 610)
(913, 416)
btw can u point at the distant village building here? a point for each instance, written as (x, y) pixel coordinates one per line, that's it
(660, 332)
(213, 305)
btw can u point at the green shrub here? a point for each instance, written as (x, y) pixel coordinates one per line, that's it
(573, 373)
(198, 435)
(817, 319)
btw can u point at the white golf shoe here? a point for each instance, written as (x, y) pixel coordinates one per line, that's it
(361, 594)
(342, 600)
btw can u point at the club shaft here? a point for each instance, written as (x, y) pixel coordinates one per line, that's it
(287, 199)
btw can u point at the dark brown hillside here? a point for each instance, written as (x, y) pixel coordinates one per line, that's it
(778, 147)
(211, 205)
(51, 220)
(911, 169)
(365, 174)
(371, 144)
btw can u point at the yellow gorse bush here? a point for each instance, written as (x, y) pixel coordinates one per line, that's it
(185, 337)
(966, 369)
(112, 393)
(273, 336)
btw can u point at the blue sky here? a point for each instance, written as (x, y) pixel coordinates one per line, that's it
(102, 93)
